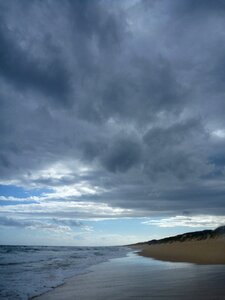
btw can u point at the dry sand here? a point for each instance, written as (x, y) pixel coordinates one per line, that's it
(210, 251)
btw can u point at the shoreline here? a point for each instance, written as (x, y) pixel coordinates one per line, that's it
(204, 252)
(137, 277)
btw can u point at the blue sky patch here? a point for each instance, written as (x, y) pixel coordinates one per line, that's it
(19, 192)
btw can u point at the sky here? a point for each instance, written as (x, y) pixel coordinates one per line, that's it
(112, 127)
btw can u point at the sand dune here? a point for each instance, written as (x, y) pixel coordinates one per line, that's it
(206, 247)
(200, 252)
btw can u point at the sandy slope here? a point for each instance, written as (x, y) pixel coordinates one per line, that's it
(209, 251)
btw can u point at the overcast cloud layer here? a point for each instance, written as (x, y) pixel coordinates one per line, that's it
(113, 108)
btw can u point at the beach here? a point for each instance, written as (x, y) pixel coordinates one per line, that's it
(210, 251)
(137, 277)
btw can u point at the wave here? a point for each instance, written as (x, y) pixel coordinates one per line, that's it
(47, 266)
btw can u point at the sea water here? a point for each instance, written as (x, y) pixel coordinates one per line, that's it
(27, 271)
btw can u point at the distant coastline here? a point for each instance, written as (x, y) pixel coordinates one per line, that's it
(200, 247)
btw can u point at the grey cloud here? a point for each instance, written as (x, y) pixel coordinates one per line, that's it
(176, 134)
(49, 224)
(132, 93)
(5, 221)
(21, 70)
(177, 150)
(200, 6)
(121, 155)
(90, 20)
(68, 222)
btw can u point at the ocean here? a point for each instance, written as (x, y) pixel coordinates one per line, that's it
(28, 271)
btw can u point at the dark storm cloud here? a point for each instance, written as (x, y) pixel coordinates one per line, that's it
(90, 20)
(200, 6)
(127, 97)
(175, 150)
(27, 73)
(122, 155)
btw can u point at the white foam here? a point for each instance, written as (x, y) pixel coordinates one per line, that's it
(30, 271)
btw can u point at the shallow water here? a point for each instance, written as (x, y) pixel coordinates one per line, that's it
(28, 271)
(136, 277)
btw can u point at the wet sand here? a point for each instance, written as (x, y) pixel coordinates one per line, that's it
(211, 251)
(137, 277)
